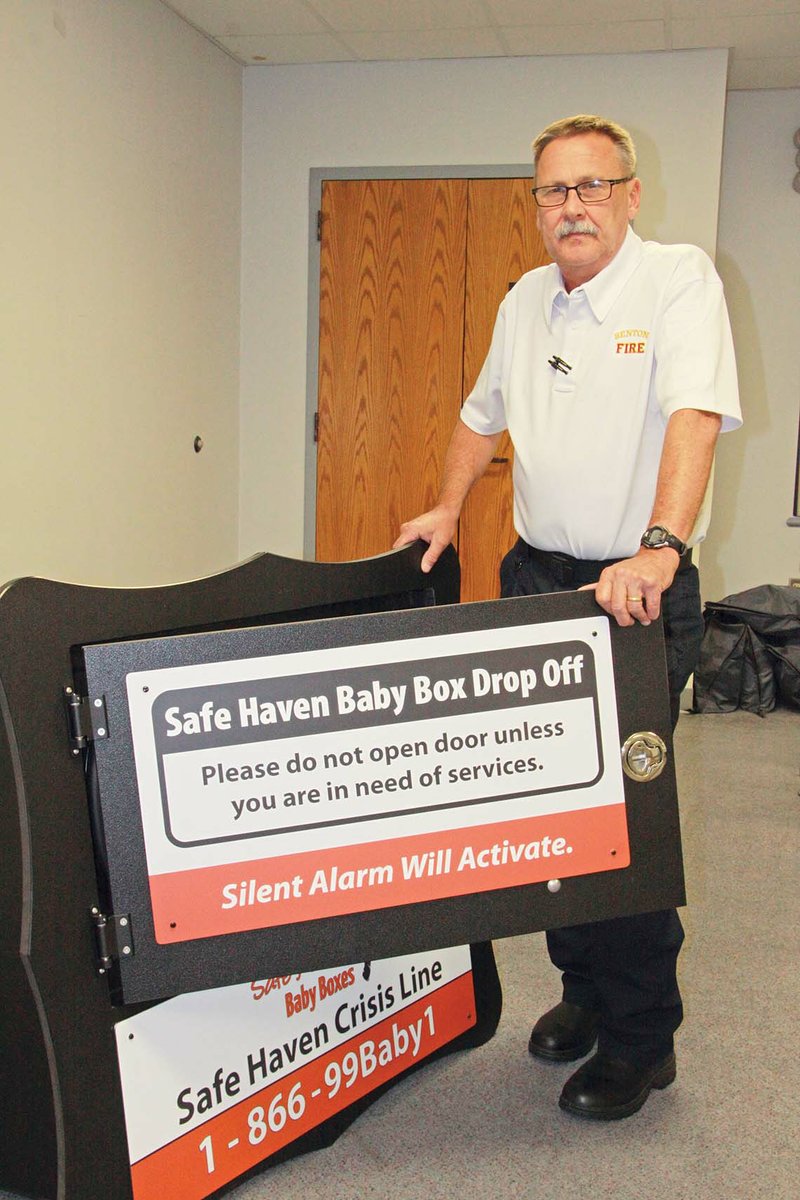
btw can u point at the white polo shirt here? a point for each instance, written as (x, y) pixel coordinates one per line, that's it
(647, 336)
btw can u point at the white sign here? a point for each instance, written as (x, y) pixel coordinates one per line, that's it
(214, 1082)
(248, 769)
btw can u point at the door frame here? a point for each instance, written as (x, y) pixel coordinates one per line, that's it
(318, 176)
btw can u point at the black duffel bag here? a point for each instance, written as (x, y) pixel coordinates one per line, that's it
(771, 611)
(786, 666)
(733, 671)
(749, 651)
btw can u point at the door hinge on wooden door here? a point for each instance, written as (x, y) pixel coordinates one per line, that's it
(319, 224)
(316, 426)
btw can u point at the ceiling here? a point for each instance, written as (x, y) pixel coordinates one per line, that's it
(763, 35)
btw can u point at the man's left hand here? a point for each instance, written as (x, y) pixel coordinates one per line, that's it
(630, 590)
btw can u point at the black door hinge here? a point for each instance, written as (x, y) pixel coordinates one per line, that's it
(85, 721)
(113, 938)
(319, 224)
(77, 735)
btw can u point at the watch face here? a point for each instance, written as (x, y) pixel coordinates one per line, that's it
(655, 536)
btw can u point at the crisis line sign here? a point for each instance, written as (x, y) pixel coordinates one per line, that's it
(218, 1081)
(306, 785)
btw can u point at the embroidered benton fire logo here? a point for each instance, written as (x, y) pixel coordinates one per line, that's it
(631, 341)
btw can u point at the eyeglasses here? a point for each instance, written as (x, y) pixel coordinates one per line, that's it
(593, 191)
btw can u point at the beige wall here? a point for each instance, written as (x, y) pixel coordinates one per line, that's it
(120, 223)
(759, 259)
(478, 111)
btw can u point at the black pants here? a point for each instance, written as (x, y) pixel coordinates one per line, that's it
(624, 968)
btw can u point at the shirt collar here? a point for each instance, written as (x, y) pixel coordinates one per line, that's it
(604, 288)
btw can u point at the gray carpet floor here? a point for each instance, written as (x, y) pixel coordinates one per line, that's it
(486, 1122)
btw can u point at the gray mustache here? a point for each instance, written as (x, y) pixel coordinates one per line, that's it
(567, 227)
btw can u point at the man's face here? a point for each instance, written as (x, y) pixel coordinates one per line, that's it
(576, 159)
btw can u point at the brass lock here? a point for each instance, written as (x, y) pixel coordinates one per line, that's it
(644, 756)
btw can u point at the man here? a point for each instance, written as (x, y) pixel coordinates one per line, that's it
(613, 371)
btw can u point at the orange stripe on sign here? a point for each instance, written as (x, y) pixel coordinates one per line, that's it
(225, 1146)
(347, 879)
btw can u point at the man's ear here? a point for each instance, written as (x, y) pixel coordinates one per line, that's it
(634, 197)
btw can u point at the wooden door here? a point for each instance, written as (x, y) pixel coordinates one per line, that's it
(502, 243)
(411, 274)
(390, 355)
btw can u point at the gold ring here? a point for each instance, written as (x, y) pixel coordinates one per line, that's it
(635, 599)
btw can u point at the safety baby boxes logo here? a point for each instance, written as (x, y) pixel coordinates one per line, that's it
(631, 341)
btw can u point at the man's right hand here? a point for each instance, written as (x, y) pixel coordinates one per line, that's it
(436, 527)
(468, 456)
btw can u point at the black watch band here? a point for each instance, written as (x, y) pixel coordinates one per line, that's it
(658, 536)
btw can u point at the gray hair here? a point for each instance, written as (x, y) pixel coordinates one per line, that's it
(587, 123)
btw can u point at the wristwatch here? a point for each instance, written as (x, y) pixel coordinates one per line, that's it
(657, 536)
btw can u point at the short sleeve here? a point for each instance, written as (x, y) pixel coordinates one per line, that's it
(695, 363)
(483, 410)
